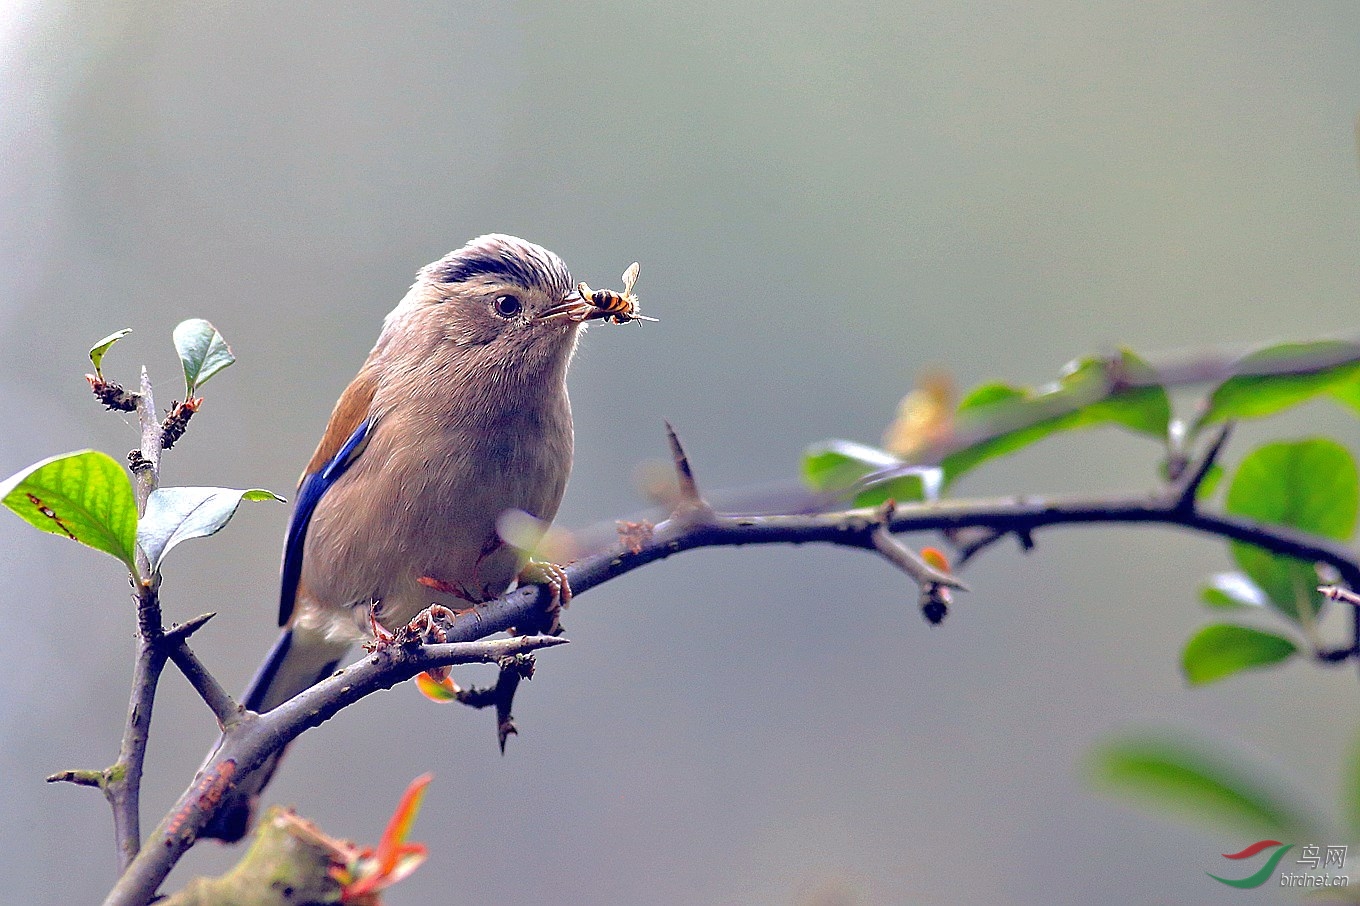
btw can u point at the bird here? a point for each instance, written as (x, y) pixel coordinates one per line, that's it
(459, 414)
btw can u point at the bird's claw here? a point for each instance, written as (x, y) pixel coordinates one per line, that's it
(428, 625)
(554, 576)
(381, 637)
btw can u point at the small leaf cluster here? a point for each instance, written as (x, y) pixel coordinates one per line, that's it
(1310, 485)
(88, 497)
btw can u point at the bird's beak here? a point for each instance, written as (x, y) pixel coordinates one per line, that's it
(572, 307)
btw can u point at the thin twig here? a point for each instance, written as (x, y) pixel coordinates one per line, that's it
(501, 695)
(79, 778)
(910, 562)
(1337, 593)
(123, 788)
(1188, 486)
(223, 706)
(175, 642)
(147, 478)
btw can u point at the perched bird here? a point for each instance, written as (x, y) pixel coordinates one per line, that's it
(459, 414)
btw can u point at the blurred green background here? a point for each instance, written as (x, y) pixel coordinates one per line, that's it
(825, 199)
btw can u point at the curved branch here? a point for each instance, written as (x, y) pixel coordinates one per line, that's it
(250, 741)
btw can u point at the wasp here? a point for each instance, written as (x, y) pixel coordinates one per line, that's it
(617, 307)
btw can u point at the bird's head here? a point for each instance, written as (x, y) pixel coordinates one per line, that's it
(502, 301)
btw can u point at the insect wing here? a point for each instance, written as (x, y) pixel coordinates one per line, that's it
(629, 278)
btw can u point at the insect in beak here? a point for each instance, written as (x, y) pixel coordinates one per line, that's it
(611, 306)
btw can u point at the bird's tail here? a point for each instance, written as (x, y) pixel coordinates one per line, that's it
(299, 659)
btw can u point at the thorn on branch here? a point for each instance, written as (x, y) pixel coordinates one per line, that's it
(187, 628)
(80, 778)
(1188, 486)
(1337, 593)
(112, 395)
(971, 540)
(177, 422)
(691, 501)
(974, 539)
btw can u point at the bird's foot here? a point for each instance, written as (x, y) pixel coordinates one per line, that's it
(428, 627)
(539, 572)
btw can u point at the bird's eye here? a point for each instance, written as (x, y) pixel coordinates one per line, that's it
(507, 306)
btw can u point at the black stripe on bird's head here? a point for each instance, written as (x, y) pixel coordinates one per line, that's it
(497, 256)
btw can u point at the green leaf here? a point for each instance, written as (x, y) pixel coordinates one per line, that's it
(836, 465)
(179, 514)
(988, 395)
(1015, 417)
(1348, 395)
(1256, 396)
(1209, 484)
(833, 465)
(202, 351)
(98, 349)
(1187, 781)
(1232, 591)
(85, 496)
(1219, 650)
(1311, 485)
(915, 484)
(1141, 404)
(1092, 391)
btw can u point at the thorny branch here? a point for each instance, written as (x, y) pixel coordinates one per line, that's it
(254, 737)
(176, 647)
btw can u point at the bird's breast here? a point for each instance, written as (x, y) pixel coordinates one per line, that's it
(422, 502)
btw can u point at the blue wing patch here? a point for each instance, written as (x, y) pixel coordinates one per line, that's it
(310, 492)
